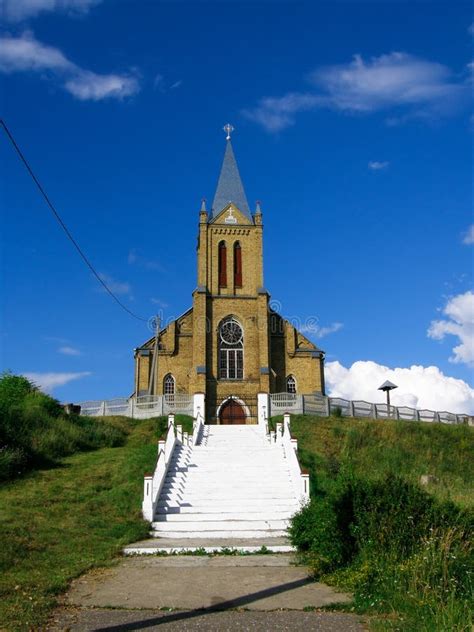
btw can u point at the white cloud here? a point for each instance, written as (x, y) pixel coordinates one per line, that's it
(24, 53)
(49, 381)
(376, 165)
(159, 302)
(418, 386)
(134, 258)
(320, 332)
(69, 351)
(277, 113)
(17, 10)
(470, 30)
(27, 54)
(386, 81)
(468, 238)
(117, 287)
(89, 86)
(417, 87)
(460, 323)
(162, 85)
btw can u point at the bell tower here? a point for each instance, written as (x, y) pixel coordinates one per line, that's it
(230, 253)
(230, 345)
(230, 289)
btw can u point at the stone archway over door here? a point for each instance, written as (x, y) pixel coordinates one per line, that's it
(232, 412)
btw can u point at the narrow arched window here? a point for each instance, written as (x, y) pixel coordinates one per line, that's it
(290, 384)
(169, 385)
(237, 265)
(231, 350)
(222, 264)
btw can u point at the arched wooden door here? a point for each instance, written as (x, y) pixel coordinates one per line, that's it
(232, 412)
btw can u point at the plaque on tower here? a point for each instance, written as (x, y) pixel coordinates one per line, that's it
(230, 219)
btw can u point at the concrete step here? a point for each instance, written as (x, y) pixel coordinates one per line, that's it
(217, 509)
(194, 486)
(215, 525)
(236, 462)
(215, 478)
(197, 517)
(184, 545)
(205, 506)
(242, 496)
(238, 534)
(259, 474)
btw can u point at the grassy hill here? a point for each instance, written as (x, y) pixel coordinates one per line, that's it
(57, 522)
(372, 449)
(405, 551)
(66, 514)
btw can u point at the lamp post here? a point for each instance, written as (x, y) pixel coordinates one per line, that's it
(387, 387)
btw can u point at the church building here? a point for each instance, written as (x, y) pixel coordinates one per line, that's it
(230, 345)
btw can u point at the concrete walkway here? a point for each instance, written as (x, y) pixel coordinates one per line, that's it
(195, 590)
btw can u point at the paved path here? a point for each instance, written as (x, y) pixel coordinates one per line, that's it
(129, 620)
(196, 590)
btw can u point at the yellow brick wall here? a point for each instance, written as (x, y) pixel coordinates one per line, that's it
(192, 340)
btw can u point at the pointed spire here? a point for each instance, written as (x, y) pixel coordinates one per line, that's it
(258, 208)
(229, 187)
(203, 205)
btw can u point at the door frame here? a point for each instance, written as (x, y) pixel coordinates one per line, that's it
(239, 401)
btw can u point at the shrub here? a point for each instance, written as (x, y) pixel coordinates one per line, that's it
(336, 412)
(322, 531)
(13, 390)
(34, 430)
(397, 548)
(12, 462)
(161, 424)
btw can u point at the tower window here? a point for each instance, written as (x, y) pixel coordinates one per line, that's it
(290, 384)
(222, 264)
(169, 385)
(237, 265)
(231, 350)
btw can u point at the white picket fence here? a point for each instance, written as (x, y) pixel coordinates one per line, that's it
(320, 405)
(141, 407)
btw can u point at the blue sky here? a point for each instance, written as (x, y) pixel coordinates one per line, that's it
(353, 127)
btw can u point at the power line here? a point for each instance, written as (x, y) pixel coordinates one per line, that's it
(63, 225)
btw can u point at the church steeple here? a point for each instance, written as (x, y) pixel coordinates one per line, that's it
(229, 186)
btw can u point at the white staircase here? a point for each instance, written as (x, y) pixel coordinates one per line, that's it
(233, 484)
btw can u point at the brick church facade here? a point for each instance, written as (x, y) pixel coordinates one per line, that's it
(230, 345)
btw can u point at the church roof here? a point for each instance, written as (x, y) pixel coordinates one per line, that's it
(230, 187)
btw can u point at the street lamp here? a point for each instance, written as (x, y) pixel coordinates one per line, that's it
(387, 387)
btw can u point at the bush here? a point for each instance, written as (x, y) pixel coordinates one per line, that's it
(34, 431)
(12, 462)
(397, 548)
(318, 531)
(161, 424)
(13, 390)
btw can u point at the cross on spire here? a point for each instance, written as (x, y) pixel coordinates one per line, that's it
(228, 129)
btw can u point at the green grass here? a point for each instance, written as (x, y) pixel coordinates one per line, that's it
(57, 523)
(406, 552)
(373, 449)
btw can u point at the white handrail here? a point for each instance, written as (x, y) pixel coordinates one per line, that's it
(152, 484)
(198, 426)
(299, 479)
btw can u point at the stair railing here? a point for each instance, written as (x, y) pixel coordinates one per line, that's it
(198, 427)
(153, 483)
(300, 479)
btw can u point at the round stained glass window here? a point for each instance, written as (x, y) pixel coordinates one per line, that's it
(231, 332)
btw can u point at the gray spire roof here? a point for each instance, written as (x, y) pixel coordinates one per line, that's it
(229, 187)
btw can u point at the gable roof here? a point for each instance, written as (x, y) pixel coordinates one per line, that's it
(229, 186)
